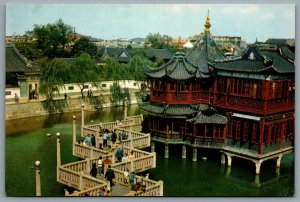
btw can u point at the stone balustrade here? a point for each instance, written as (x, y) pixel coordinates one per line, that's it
(76, 174)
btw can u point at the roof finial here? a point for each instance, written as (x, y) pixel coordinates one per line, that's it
(179, 44)
(207, 24)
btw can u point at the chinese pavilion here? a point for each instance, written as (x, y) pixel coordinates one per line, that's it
(242, 105)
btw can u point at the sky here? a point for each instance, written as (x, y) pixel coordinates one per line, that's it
(112, 21)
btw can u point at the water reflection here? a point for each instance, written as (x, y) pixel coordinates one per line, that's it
(257, 180)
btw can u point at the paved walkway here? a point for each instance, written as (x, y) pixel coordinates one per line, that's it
(117, 189)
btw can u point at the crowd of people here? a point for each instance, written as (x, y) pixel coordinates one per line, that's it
(113, 142)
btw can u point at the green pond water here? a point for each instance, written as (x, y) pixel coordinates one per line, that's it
(26, 142)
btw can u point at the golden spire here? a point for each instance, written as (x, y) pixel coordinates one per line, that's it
(207, 24)
(180, 45)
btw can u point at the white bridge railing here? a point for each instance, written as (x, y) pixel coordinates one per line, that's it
(76, 174)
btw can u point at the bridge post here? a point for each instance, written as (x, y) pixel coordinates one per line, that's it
(194, 153)
(152, 146)
(58, 157)
(149, 140)
(74, 134)
(154, 160)
(223, 160)
(131, 165)
(37, 178)
(166, 150)
(80, 181)
(82, 119)
(88, 167)
(92, 152)
(161, 188)
(183, 151)
(278, 160)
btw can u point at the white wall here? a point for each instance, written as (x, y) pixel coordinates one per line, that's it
(10, 93)
(104, 86)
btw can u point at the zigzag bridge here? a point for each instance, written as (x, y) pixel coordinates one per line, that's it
(76, 174)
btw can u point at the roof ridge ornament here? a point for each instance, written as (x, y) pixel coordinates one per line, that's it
(207, 24)
(179, 51)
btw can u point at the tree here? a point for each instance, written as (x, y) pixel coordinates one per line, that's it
(27, 47)
(113, 70)
(117, 94)
(157, 41)
(136, 64)
(52, 38)
(84, 70)
(84, 45)
(53, 75)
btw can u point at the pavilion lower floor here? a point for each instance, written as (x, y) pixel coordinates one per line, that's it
(228, 153)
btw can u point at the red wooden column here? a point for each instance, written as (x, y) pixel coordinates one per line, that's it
(215, 91)
(224, 133)
(261, 135)
(266, 88)
(283, 130)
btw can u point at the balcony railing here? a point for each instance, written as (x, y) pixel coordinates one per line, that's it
(253, 105)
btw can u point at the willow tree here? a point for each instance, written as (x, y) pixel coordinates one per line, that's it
(83, 71)
(53, 75)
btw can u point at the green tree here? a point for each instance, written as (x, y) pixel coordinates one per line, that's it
(118, 94)
(157, 41)
(84, 70)
(52, 38)
(53, 75)
(27, 47)
(84, 45)
(136, 64)
(113, 70)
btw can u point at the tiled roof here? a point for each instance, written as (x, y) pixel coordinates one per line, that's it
(261, 61)
(178, 68)
(278, 42)
(280, 64)
(116, 52)
(208, 116)
(15, 62)
(172, 110)
(288, 53)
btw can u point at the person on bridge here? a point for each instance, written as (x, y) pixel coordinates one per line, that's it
(131, 156)
(124, 136)
(88, 140)
(105, 136)
(94, 170)
(93, 140)
(114, 137)
(110, 175)
(131, 178)
(100, 166)
(119, 153)
(126, 177)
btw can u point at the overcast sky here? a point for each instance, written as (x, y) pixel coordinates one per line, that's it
(137, 20)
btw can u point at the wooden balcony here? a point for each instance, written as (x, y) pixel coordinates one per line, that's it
(179, 97)
(253, 105)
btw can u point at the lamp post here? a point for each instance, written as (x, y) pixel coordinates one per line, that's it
(125, 108)
(37, 178)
